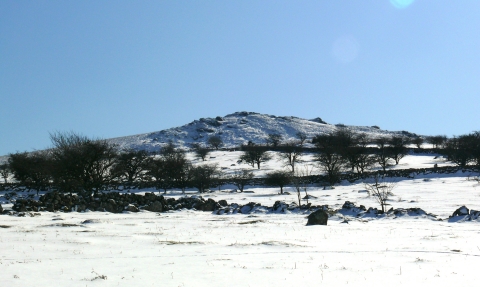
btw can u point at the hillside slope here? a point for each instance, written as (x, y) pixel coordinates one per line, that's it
(236, 129)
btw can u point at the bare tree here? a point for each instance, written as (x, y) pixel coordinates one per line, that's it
(306, 172)
(398, 148)
(274, 139)
(382, 156)
(130, 166)
(464, 149)
(381, 189)
(215, 142)
(418, 142)
(82, 164)
(158, 173)
(183, 176)
(302, 137)
(364, 159)
(170, 169)
(241, 177)
(204, 176)
(278, 178)
(291, 153)
(254, 154)
(200, 151)
(329, 156)
(437, 141)
(300, 181)
(32, 170)
(5, 171)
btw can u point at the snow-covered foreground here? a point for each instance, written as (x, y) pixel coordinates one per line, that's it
(192, 248)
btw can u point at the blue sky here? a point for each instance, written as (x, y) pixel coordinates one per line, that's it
(116, 68)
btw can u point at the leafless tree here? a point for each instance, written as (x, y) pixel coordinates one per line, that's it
(130, 166)
(82, 164)
(215, 142)
(204, 176)
(464, 149)
(254, 154)
(302, 137)
(364, 160)
(32, 170)
(329, 156)
(5, 171)
(382, 156)
(291, 152)
(381, 188)
(397, 148)
(278, 178)
(170, 169)
(300, 181)
(274, 139)
(241, 177)
(418, 142)
(200, 151)
(437, 141)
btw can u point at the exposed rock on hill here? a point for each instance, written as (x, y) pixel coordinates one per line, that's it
(236, 129)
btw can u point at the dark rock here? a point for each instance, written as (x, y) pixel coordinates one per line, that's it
(462, 211)
(210, 205)
(131, 208)
(319, 217)
(222, 211)
(348, 205)
(279, 206)
(80, 207)
(155, 207)
(223, 202)
(318, 120)
(1, 208)
(373, 211)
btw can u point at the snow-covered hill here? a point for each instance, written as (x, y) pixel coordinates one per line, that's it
(236, 129)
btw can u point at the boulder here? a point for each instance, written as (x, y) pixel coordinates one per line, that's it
(247, 208)
(319, 217)
(156, 206)
(348, 205)
(279, 206)
(1, 208)
(209, 205)
(131, 208)
(223, 202)
(462, 211)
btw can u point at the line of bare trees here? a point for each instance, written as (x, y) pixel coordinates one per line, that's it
(77, 164)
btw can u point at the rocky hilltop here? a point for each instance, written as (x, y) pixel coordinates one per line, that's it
(236, 129)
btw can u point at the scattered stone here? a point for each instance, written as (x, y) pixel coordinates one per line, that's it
(319, 217)
(131, 208)
(155, 207)
(463, 214)
(461, 211)
(223, 202)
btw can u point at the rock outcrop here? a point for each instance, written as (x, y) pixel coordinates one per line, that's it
(319, 217)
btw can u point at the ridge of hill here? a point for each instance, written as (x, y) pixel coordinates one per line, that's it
(239, 128)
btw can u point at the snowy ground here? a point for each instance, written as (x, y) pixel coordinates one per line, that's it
(190, 248)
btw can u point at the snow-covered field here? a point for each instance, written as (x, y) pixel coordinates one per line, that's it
(192, 248)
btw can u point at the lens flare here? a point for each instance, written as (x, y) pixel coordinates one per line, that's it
(401, 4)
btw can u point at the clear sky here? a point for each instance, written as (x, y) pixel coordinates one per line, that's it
(116, 68)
